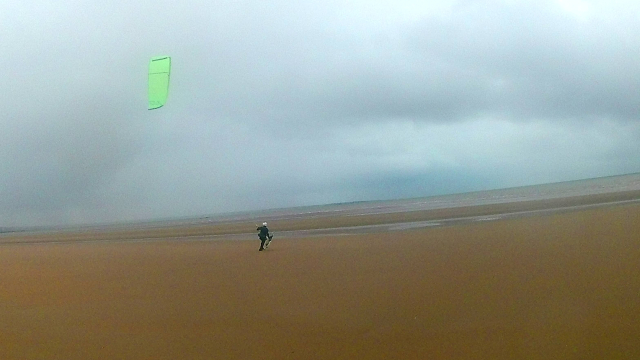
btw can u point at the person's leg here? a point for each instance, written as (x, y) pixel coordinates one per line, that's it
(262, 240)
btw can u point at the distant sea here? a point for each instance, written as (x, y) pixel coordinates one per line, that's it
(603, 185)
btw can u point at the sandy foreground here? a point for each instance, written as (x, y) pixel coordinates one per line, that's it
(551, 286)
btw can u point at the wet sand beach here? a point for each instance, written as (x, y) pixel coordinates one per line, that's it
(559, 285)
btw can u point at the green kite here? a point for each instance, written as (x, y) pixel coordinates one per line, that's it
(159, 70)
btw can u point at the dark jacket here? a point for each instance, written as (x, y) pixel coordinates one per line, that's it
(264, 232)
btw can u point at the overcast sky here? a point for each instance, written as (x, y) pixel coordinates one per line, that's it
(287, 103)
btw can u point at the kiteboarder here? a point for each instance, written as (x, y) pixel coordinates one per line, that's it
(264, 236)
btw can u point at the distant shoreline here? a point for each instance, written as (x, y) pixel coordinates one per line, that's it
(601, 186)
(313, 224)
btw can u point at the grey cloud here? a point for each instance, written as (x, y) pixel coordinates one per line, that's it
(280, 104)
(542, 62)
(523, 59)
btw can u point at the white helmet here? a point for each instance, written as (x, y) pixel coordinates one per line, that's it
(264, 223)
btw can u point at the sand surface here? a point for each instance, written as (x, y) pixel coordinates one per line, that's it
(551, 286)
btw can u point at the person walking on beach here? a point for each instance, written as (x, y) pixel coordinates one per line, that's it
(264, 236)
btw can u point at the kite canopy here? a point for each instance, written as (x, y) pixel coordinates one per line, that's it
(159, 69)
